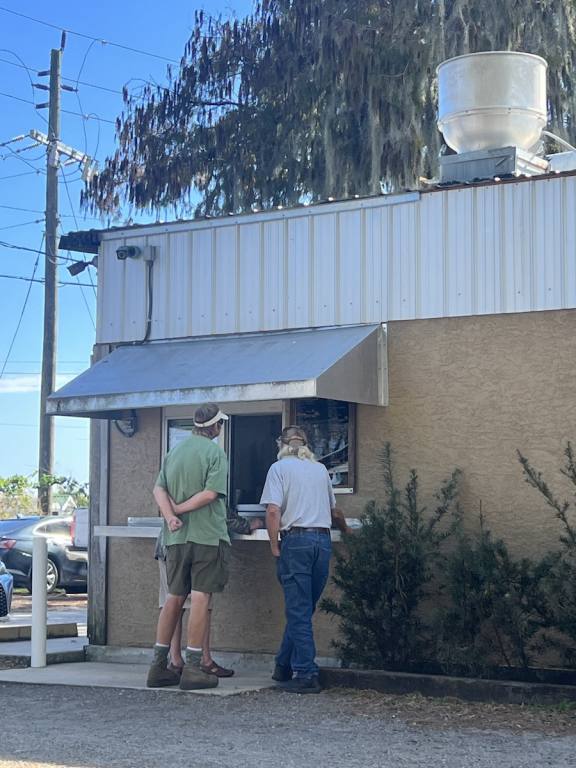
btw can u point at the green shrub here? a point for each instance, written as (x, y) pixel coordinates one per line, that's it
(497, 607)
(384, 571)
(560, 581)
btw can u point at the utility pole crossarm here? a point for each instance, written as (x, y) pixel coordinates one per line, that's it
(63, 149)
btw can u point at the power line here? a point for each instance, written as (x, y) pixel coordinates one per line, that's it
(78, 97)
(6, 145)
(17, 98)
(95, 153)
(17, 247)
(12, 53)
(18, 175)
(40, 280)
(16, 208)
(89, 37)
(19, 151)
(34, 210)
(89, 116)
(14, 247)
(31, 280)
(114, 91)
(67, 111)
(19, 157)
(69, 79)
(23, 224)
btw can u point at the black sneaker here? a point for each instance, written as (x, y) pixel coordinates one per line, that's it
(302, 685)
(281, 674)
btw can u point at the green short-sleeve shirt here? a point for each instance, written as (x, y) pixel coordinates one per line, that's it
(197, 464)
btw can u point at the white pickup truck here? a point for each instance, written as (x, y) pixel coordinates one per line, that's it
(79, 530)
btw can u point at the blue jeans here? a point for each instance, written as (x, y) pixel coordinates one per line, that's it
(302, 570)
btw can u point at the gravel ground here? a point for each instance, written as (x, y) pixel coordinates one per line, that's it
(59, 726)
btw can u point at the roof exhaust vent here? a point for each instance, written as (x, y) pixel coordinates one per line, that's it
(492, 109)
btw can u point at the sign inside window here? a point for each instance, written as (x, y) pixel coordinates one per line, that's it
(329, 426)
(179, 431)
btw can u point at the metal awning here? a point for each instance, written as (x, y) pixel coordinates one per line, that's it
(344, 363)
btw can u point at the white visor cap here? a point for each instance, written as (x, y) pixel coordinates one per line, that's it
(220, 416)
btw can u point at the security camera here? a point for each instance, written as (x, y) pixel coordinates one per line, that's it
(127, 252)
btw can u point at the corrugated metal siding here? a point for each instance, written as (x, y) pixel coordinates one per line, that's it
(465, 251)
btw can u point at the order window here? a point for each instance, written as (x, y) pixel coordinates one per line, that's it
(249, 441)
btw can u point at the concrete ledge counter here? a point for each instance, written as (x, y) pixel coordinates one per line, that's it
(147, 528)
(126, 531)
(148, 532)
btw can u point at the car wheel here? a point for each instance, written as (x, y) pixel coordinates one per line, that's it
(52, 577)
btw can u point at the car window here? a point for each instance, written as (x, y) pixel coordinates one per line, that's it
(54, 528)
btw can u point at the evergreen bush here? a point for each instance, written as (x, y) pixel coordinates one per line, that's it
(384, 571)
(560, 581)
(497, 607)
(492, 610)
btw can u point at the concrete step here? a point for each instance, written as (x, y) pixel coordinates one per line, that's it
(59, 650)
(14, 630)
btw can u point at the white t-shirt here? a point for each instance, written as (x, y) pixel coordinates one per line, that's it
(303, 491)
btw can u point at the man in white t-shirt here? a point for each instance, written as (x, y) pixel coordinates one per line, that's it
(300, 508)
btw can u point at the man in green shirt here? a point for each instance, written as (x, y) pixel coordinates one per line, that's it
(191, 494)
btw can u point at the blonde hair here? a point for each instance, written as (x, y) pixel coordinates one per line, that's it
(294, 442)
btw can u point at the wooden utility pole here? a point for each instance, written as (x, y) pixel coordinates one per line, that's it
(46, 449)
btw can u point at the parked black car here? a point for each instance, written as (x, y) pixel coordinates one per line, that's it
(12, 523)
(65, 568)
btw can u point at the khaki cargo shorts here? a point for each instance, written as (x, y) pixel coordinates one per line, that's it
(197, 567)
(163, 591)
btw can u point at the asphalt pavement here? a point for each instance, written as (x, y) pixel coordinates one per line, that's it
(55, 726)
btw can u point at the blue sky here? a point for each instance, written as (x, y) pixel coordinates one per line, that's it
(161, 29)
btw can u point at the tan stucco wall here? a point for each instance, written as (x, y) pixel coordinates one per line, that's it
(132, 571)
(469, 392)
(464, 392)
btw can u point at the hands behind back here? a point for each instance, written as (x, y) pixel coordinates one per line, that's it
(174, 523)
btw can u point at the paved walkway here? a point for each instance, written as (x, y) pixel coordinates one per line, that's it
(127, 672)
(128, 677)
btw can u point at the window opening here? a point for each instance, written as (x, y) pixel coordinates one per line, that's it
(252, 450)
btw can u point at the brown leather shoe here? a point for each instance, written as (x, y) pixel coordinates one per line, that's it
(216, 670)
(195, 679)
(159, 676)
